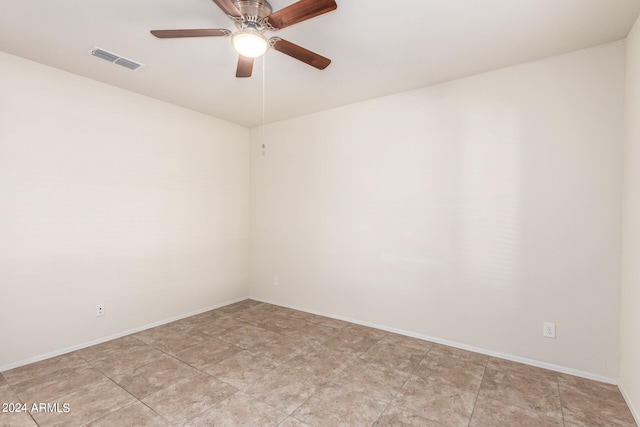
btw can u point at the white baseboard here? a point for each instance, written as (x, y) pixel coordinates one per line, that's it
(66, 350)
(518, 359)
(634, 412)
(531, 362)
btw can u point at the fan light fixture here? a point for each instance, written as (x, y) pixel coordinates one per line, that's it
(250, 43)
(253, 19)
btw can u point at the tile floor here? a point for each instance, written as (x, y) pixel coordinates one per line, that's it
(256, 364)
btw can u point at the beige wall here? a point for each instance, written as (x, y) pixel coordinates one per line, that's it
(630, 298)
(470, 212)
(111, 197)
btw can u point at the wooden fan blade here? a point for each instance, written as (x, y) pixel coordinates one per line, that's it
(245, 66)
(170, 34)
(300, 11)
(300, 53)
(229, 8)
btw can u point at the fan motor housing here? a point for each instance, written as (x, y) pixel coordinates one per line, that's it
(254, 9)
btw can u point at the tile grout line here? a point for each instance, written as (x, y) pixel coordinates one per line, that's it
(191, 328)
(359, 357)
(264, 375)
(199, 370)
(329, 379)
(560, 399)
(475, 402)
(321, 387)
(16, 394)
(121, 407)
(140, 399)
(404, 383)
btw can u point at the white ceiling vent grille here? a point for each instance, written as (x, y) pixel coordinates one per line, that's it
(116, 59)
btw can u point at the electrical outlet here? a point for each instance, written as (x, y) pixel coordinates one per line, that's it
(549, 330)
(100, 310)
(275, 280)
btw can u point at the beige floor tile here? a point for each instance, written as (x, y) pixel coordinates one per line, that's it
(395, 356)
(27, 372)
(538, 393)
(453, 372)
(119, 344)
(116, 364)
(365, 331)
(535, 393)
(284, 311)
(14, 414)
(217, 326)
(586, 409)
(152, 377)
(242, 369)
(307, 317)
(311, 333)
(53, 385)
(434, 400)
(256, 315)
(6, 393)
(247, 336)
(279, 349)
(459, 354)
(354, 339)
(590, 387)
(489, 412)
(397, 417)
(350, 341)
(278, 323)
(292, 422)
(320, 362)
(520, 369)
(198, 319)
(188, 398)
(338, 406)
(248, 303)
(374, 380)
(86, 404)
(166, 329)
(207, 353)
(256, 311)
(406, 341)
(240, 306)
(231, 309)
(16, 419)
(284, 388)
(134, 415)
(333, 323)
(171, 338)
(239, 410)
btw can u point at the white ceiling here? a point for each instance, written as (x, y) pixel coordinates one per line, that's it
(377, 47)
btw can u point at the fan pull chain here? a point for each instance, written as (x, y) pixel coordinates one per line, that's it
(264, 146)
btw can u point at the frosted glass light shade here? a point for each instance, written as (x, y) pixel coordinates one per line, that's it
(250, 43)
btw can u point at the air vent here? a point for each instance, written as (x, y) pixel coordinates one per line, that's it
(116, 59)
(127, 64)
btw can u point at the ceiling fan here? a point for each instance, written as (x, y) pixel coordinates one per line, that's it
(253, 18)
